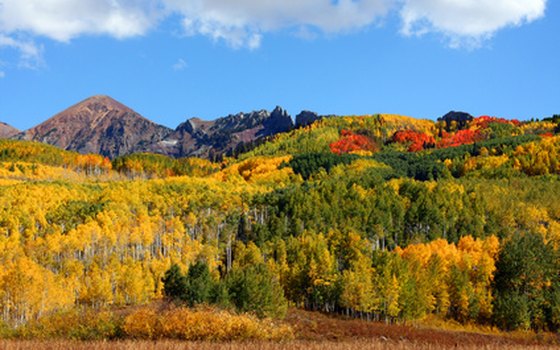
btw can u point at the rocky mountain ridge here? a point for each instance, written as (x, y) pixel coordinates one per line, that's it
(105, 126)
(209, 139)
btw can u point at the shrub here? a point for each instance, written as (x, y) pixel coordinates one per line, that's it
(201, 325)
(74, 324)
(141, 323)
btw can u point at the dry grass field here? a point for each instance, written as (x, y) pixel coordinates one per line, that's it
(315, 331)
(363, 344)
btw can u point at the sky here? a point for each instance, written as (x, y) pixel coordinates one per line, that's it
(171, 60)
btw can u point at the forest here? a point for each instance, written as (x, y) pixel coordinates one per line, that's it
(381, 217)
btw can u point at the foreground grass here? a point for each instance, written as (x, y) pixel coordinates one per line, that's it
(147, 328)
(318, 328)
(292, 345)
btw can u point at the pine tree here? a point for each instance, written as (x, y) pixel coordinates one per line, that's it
(174, 283)
(199, 284)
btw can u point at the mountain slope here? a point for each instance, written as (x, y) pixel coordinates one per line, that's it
(7, 131)
(316, 133)
(197, 137)
(98, 124)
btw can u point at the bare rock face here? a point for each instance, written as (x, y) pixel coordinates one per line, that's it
(208, 139)
(7, 131)
(306, 118)
(278, 121)
(98, 124)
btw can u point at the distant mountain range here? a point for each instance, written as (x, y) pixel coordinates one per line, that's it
(102, 125)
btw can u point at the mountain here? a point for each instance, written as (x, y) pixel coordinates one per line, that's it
(102, 125)
(206, 139)
(7, 131)
(98, 124)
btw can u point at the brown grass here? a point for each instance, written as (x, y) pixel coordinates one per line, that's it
(316, 331)
(312, 326)
(294, 345)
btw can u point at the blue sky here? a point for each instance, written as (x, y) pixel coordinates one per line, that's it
(175, 59)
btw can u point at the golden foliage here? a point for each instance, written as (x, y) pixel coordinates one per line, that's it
(202, 324)
(259, 170)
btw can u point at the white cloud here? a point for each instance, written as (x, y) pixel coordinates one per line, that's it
(467, 20)
(31, 54)
(244, 23)
(2, 74)
(180, 65)
(64, 20)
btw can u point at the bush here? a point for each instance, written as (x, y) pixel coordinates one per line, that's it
(74, 324)
(141, 323)
(201, 325)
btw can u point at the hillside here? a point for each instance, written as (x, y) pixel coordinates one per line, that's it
(317, 136)
(381, 217)
(209, 139)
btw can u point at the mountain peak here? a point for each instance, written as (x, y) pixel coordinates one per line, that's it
(7, 131)
(100, 103)
(98, 124)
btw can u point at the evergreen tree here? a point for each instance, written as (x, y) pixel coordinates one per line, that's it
(174, 283)
(199, 284)
(254, 288)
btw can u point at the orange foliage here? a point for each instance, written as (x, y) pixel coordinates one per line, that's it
(418, 140)
(350, 143)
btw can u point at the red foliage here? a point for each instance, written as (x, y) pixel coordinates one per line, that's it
(461, 137)
(351, 142)
(483, 121)
(418, 140)
(546, 135)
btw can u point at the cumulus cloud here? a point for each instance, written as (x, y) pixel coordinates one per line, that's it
(467, 19)
(64, 20)
(244, 23)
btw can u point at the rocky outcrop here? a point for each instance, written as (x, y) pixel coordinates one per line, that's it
(306, 118)
(461, 119)
(208, 139)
